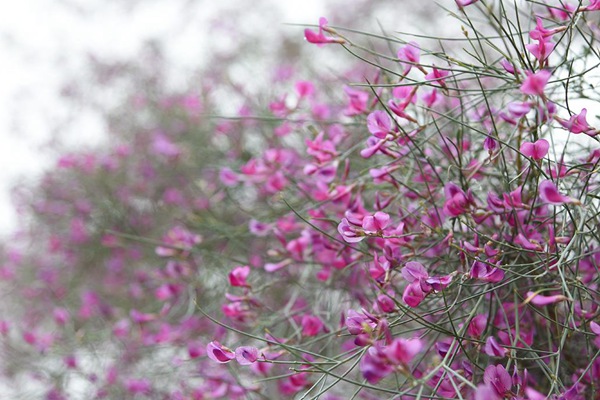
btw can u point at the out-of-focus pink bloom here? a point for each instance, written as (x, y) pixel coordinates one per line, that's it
(578, 124)
(357, 101)
(437, 75)
(219, 353)
(477, 326)
(304, 88)
(535, 83)
(540, 50)
(409, 55)
(486, 273)
(593, 6)
(246, 355)
(464, 3)
(162, 145)
(549, 194)
(319, 38)
(374, 365)
(457, 201)
(414, 271)
(237, 277)
(413, 294)
(138, 386)
(311, 325)
(508, 67)
(179, 241)
(541, 33)
(379, 124)
(358, 324)
(228, 177)
(486, 392)
(259, 228)
(537, 150)
(562, 14)
(402, 351)
(493, 349)
(539, 300)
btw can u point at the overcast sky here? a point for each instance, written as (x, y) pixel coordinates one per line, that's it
(42, 42)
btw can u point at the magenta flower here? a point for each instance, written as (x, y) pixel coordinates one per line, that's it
(246, 355)
(138, 386)
(493, 349)
(414, 271)
(237, 277)
(437, 75)
(219, 353)
(464, 3)
(311, 325)
(535, 83)
(413, 294)
(304, 88)
(486, 272)
(357, 101)
(374, 365)
(539, 300)
(409, 55)
(593, 6)
(457, 201)
(477, 326)
(508, 67)
(402, 351)
(540, 50)
(499, 379)
(379, 124)
(320, 38)
(578, 124)
(376, 223)
(550, 194)
(537, 150)
(349, 232)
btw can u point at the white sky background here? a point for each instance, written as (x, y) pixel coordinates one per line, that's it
(42, 42)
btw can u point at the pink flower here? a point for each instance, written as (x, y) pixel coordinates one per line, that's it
(246, 355)
(539, 300)
(464, 3)
(413, 294)
(437, 75)
(537, 150)
(357, 101)
(311, 325)
(319, 38)
(578, 124)
(499, 379)
(486, 273)
(593, 6)
(549, 194)
(409, 55)
(493, 349)
(477, 326)
(374, 365)
(457, 201)
(138, 386)
(376, 223)
(402, 351)
(535, 83)
(379, 124)
(304, 88)
(237, 277)
(219, 353)
(540, 50)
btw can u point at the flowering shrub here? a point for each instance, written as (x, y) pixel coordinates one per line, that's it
(426, 230)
